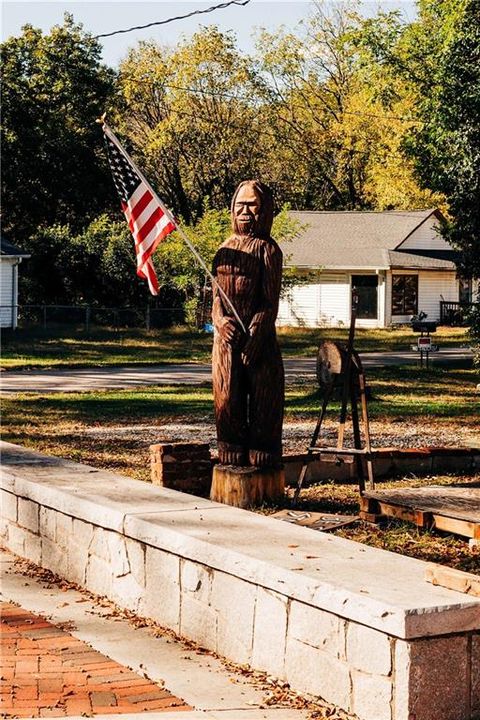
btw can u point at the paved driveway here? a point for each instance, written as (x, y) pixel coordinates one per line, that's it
(110, 378)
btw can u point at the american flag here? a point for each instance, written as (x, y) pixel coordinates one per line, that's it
(148, 221)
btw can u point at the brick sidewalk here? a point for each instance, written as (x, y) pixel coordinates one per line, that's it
(46, 672)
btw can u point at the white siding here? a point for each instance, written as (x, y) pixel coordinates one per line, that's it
(426, 237)
(301, 307)
(6, 291)
(322, 303)
(334, 299)
(432, 285)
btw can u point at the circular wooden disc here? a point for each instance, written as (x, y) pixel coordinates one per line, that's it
(330, 362)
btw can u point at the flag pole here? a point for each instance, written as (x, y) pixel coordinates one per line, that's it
(110, 134)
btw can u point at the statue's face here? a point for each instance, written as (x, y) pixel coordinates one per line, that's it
(246, 209)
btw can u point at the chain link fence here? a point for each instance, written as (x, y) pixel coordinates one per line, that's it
(88, 317)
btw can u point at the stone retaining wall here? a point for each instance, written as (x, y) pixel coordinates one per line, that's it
(358, 626)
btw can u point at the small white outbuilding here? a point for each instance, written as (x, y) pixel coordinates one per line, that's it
(10, 259)
(398, 262)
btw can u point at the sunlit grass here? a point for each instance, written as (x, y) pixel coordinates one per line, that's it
(53, 348)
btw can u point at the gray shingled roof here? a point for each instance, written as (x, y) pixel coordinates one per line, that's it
(343, 240)
(9, 250)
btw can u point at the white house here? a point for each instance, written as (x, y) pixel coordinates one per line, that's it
(10, 259)
(398, 262)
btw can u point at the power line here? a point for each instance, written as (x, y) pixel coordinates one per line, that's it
(172, 19)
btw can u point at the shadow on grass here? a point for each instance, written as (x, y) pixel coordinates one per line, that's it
(400, 392)
(121, 407)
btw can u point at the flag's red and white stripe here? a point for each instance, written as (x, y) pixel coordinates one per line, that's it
(149, 225)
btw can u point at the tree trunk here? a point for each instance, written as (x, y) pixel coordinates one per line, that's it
(245, 487)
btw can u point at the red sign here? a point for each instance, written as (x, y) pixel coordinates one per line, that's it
(424, 343)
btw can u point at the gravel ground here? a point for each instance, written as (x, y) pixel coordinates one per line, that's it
(296, 435)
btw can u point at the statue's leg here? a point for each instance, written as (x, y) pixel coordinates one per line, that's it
(230, 401)
(267, 393)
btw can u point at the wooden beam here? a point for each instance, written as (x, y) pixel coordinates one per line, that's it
(453, 579)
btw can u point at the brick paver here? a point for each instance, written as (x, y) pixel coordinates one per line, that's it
(46, 672)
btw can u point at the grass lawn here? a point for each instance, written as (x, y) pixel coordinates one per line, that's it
(76, 426)
(35, 348)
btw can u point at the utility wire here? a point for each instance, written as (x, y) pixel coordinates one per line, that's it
(172, 19)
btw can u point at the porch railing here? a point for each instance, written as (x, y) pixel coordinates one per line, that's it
(454, 313)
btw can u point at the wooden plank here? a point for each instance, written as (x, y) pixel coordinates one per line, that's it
(460, 502)
(339, 451)
(459, 527)
(453, 579)
(338, 459)
(399, 512)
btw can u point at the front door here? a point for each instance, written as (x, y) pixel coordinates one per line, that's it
(367, 289)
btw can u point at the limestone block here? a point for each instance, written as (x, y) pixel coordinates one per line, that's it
(161, 598)
(9, 506)
(368, 650)
(317, 628)
(99, 576)
(475, 675)
(82, 533)
(432, 679)
(127, 592)
(54, 557)
(270, 632)
(136, 560)
(77, 558)
(28, 515)
(63, 530)
(371, 696)
(4, 529)
(78, 551)
(198, 622)
(234, 598)
(117, 553)
(33, 547)
(310, 670)
(16, 540)
(47, 523)
(196, 580)
(99, 544)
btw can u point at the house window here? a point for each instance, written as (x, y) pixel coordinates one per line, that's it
(404, 294)
(366, 287)
(465, 290)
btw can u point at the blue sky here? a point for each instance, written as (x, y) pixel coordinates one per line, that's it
(100, 17)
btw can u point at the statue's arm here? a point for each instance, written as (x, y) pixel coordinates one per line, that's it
(263, 321)
(224, 325)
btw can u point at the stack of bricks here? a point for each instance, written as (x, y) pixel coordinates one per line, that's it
(186, 467)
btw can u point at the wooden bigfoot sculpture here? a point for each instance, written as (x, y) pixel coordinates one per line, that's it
(248, 380)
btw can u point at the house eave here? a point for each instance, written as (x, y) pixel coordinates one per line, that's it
(352, 268)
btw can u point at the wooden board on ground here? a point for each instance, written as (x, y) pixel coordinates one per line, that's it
(453, 579)
(453, 508)
(315, 520)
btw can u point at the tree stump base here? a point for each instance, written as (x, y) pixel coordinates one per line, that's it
(245, 487)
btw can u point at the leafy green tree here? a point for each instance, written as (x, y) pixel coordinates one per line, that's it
(437, 58)
(54, 171)
(95, 266)
(339, 116)
(447, 148)
(188, 115)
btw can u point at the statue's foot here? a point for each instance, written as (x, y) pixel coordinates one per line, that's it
(232, 455)
(264, 459)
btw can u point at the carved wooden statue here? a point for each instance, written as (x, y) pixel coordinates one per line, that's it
(248, 379)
